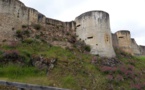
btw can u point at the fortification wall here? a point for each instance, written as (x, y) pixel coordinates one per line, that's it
(14, 8)
(25, 14)
(94, 29)
(115, 41)
(14, 14)
(135, 47)
(142, 50)
(7, 27)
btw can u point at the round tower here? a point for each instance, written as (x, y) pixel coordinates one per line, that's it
(124, 41)
(93, 28)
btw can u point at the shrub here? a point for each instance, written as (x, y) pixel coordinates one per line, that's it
(28, 41)
(1, 52)
(106, 69)
(137, 87)
(37, 26)
(24, 26)
(119, 78)
(26, 32)
(87, 48)
(4, 40)
(11, 54)
(110, 78)
(19, 34)
(37, 36)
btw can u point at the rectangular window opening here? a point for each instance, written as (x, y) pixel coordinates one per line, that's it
(78, 25)
(90, 37)
(121, 37)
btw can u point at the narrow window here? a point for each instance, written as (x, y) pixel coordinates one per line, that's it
(78, 25)
(90, 37)
(121, 37)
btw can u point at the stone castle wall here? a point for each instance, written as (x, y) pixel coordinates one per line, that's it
(135, 47)
(14, 14)
(142, 49)
(114, 40)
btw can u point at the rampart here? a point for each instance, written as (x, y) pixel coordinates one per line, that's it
(92, 27)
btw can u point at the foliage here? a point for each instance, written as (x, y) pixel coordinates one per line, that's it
(28, 41)
(37, 26)
(19, 33)
(87, 48)
(24, 26)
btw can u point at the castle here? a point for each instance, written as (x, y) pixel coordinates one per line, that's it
(92, 27)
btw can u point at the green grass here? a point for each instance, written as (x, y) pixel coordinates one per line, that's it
(141, 58)
(13, 71)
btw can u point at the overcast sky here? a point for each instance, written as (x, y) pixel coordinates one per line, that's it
(124, 14)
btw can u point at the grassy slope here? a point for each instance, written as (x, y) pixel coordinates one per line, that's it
(73, 69)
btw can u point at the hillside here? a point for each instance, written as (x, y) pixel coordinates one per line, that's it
(37, 62)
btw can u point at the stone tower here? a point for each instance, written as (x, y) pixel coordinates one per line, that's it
(124, 41)
(93, 28)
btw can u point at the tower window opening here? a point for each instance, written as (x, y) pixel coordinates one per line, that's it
(90, 37)
(121, 37)
(78, 25)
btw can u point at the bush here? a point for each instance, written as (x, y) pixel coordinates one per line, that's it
(19, 34)
(28, 41)
(37, 36)
(24, 26)
(11, 54)
(87, 48)
(37, 26)
(26, 32)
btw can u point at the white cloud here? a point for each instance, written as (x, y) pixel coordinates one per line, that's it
(124, 14)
